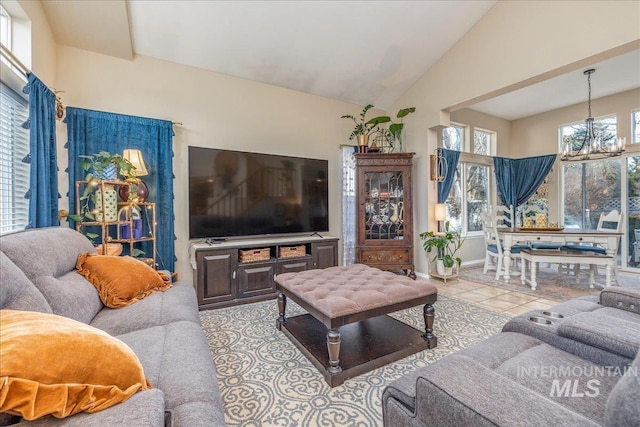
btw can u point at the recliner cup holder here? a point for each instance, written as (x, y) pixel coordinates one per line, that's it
(540, 320)
(553, 314)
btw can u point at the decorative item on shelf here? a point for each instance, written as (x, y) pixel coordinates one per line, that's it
(591, 146)
(527, 222)
(112, 249)
(446, 245)
(438, 166)
(137, 191)
(363, 129)
(129, 216)
(106, 203)
(398, 212)
(541, 220)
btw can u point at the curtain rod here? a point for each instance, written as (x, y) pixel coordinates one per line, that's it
(14, 61)
(176, 123)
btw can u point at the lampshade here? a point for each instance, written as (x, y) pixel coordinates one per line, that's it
(440, 212)
(135, 157)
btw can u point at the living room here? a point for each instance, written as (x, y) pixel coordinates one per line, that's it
(512, 46)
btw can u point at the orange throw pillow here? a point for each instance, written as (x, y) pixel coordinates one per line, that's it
(52, 365)
(121, 280)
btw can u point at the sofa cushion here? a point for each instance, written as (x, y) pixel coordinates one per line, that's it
(48, 257)
(56, 366)
(143, 409)
(160, 308)
(177, 359)
(121, 280)
(609, 329)
(17, 292)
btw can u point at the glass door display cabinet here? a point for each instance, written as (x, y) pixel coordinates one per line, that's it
(384, 218)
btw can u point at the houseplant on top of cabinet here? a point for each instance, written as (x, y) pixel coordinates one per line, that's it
(446, 244)
(363, 128)
(394, 134)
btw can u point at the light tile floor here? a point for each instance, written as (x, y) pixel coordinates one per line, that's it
(491, 297)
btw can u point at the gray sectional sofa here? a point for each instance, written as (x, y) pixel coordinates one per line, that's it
(163, 329)
(576, 364)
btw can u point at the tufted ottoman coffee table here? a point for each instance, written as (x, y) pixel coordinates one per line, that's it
(347, 331)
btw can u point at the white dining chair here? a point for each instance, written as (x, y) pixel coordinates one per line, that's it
(494, 254)
(612, 221)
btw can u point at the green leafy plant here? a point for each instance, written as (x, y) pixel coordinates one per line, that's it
(446, 245)
(394, 132)
(96, 164)
(364, 127)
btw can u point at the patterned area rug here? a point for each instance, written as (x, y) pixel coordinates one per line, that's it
(551, 284)
(266, 381)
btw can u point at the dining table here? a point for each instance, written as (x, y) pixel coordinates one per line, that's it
(606, 239)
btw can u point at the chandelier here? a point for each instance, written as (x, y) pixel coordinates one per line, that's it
(592, 146)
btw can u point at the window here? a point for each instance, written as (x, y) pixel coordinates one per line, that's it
(14, 174)
(590, 187)
(453, 138)
(635, 123)
(5, 28)
(469, 197)
(604, 127)
(482, 142)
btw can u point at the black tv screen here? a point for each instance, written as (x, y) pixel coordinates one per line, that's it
(234, 193)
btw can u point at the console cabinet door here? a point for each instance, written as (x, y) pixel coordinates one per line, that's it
(256, 279)
(216, 275)
(324, 254)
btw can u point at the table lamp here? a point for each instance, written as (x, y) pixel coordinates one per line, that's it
(136, 159)
(440, 214)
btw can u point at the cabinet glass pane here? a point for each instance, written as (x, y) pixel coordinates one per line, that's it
(384, 206)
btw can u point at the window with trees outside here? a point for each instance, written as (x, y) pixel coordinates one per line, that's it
(469, 195)
(590, 187)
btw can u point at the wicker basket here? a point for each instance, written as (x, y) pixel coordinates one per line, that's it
(292, 251)
(253, 255)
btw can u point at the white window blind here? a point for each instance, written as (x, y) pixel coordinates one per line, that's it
(14, 174)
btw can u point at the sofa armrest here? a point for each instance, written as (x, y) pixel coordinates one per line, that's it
(627, 299)
(458, 391)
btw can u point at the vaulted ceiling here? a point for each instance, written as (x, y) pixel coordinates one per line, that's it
(355, 51)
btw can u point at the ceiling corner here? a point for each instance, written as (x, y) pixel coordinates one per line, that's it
(98, 26)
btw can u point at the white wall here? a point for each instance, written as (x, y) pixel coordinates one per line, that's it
(216, 111)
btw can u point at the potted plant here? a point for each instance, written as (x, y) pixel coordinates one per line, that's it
(446, 245)
(364, 128)
(394, 133)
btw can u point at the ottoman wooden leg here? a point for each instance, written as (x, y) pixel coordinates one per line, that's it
(333, 345)
(429, 315)
(282, 307)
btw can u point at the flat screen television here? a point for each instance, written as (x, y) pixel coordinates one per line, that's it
(234, 193)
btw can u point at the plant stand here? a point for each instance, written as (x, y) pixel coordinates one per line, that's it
(454, 274)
